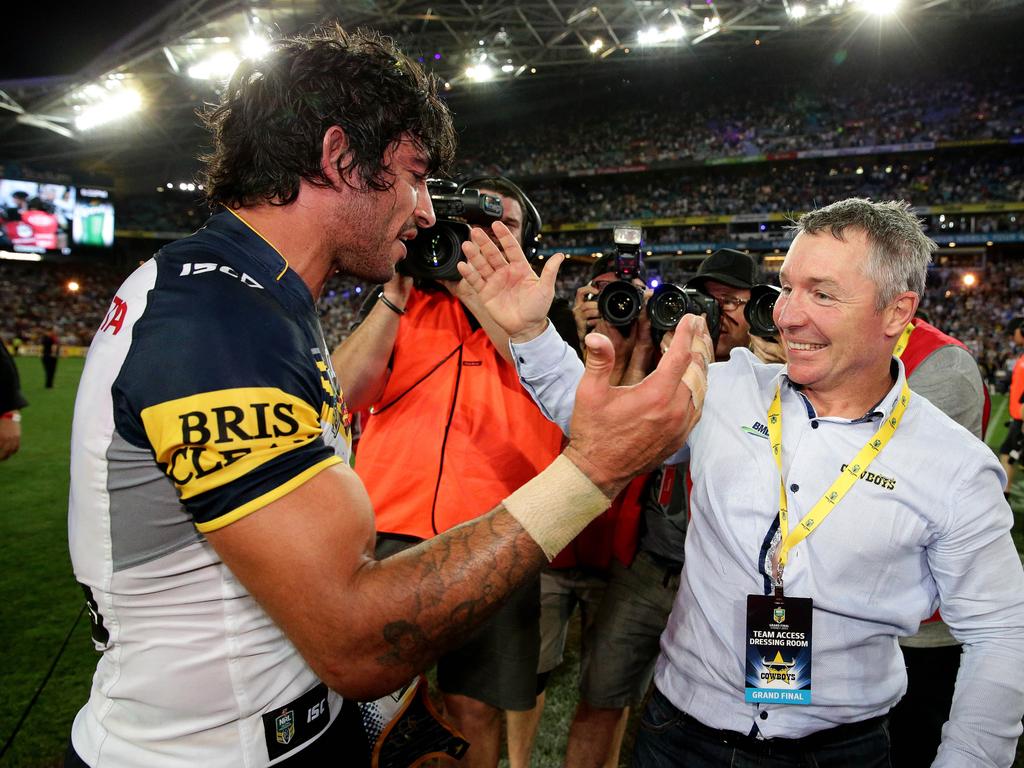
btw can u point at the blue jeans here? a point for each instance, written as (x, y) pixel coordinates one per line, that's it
(667, 739)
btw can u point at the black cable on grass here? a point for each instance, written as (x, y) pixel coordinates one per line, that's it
(42, 685)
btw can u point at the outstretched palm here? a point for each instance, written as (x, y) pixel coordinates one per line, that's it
(502, 278)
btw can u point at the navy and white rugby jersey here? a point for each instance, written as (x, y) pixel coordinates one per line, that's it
(207, 394)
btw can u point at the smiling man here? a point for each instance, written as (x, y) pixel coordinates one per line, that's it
(860, 509)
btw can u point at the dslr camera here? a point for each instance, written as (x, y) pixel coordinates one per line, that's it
(435, 251)
(758, 311)
(669, 303)
(620, 301)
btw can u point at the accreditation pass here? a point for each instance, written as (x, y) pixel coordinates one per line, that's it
(778, 651)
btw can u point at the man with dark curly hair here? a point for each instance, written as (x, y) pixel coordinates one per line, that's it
(224, 545)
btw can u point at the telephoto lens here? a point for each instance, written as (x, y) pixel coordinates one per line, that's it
(758, 311)
(620, 303)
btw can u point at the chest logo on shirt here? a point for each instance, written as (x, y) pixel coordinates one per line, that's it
(883, 482)
(204, 441)
(758, 429)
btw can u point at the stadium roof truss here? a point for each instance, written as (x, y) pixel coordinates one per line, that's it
(460, 40)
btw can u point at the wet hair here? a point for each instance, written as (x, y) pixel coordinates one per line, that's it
(898, 249)
(269, 127)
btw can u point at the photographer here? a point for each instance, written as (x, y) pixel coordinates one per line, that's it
(727, 276)
(622, 570)
(450, 434)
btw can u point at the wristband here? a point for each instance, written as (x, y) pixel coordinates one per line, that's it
(14, 416)
(389, 304)
(556, 505)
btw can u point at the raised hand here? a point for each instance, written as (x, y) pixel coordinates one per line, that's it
(514, 296)
(619, 432)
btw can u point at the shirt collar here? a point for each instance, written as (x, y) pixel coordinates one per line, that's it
(257, 248)
(881, 409)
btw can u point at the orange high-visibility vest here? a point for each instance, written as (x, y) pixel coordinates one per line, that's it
(453, 432)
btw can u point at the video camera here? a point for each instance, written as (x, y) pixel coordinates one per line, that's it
(435, 251)
(758, 311)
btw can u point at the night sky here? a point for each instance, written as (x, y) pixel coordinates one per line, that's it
(59, 38)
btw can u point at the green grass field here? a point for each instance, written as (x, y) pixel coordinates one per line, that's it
(40, 600)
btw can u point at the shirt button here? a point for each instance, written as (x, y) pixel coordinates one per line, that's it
(763, 715)
(794, 487)
(814, 424)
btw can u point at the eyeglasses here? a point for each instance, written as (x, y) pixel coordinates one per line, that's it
(729, 303)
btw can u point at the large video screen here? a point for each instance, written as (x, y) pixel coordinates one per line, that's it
(35, 217)
(93, 220)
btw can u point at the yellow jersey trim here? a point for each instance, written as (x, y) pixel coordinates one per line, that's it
(270, 496)
(261, 237)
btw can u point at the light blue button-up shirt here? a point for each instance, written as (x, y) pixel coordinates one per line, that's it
(928, 527)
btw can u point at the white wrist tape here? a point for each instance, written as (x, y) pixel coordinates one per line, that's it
(556, 505)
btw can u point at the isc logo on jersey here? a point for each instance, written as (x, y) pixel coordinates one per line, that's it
(208, 267)
(207, 440)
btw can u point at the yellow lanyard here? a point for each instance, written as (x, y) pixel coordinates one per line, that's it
(842, 484)
(901, 345)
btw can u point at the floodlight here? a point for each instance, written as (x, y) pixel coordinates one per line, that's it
(880, 7)
(597, 45)
(797, 11)
(506, 68)
(480, 73)
(113, 107)
(255, 47)
(220, 66)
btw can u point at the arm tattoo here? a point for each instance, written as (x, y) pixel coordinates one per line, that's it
(450, 584)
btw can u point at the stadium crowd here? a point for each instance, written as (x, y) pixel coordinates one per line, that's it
(40, 301)
(988, 105)
(782, 188)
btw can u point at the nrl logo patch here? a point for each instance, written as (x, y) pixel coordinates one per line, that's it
(779, 615)
(285, 725)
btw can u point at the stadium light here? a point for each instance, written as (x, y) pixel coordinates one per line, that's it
(654, 36)
(113, 107)
(220, 66)
(880, 7)
(597, 45)
(797, 11)
(480, 73)
(255, 47)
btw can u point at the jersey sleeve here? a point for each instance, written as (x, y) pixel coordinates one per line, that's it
(225, 390)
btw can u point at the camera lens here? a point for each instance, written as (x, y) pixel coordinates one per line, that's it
(667, 306)
(435, 252)
(620, 303)
(758, 311)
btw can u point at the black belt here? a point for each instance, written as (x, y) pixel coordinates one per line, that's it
(766, 747)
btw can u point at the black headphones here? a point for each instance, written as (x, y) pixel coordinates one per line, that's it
(532, 221)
